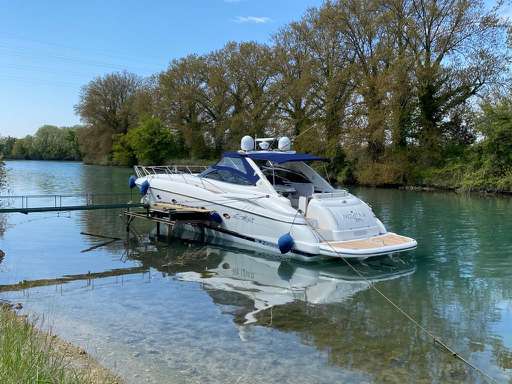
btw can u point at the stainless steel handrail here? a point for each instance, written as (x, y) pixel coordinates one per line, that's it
(147, 170)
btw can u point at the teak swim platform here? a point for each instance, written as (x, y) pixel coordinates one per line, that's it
(388, 239)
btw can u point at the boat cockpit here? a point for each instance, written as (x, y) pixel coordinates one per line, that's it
(286, 173)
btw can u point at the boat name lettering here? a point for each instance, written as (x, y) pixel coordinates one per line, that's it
(355, 216)
(245, 218)
(242, 272)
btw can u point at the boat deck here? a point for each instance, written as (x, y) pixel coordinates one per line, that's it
(387, 240)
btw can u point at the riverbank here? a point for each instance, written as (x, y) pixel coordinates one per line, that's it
(30, 355)
(453, 178)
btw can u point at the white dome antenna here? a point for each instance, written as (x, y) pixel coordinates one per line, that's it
(284, 144)
(247, 143)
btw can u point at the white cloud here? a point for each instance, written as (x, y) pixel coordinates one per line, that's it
(253, 19)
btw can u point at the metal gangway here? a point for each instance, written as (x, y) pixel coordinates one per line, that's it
(66, 202)
(89, 201)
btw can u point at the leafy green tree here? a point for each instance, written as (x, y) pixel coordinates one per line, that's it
(181, 88)
(150, 143)
(459, 47)
(386, 88)
(6, 146)
(122, 151)
(106, 106)
(251, 73)
(495, 125)
(297, 85)
(23, 148)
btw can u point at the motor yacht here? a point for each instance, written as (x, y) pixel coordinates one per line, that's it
(273, 199)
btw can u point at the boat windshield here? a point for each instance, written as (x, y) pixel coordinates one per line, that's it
(281, 175)
(233, 170)
(290, 183)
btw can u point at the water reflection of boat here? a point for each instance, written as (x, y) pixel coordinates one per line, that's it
(270, 282)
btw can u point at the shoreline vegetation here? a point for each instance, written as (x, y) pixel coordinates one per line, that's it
(30, 355)
(396, 94)
(433, 187)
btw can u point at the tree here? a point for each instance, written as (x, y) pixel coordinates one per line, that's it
(106, 108)
(181, 88)
(495, 126)
(152, 143)
(297, 83)
(332, 78)
(23, 148)
(54, 143)
(386, 88)
(459, 47)
(6, 146)
(362, 25)
(252, 71)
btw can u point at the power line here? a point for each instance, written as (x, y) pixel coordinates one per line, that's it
(33, 82)
(152, 60)
(27, 52)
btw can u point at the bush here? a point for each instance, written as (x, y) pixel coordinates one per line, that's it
(393, 169)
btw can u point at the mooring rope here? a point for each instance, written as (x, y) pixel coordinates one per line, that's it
(407, 315)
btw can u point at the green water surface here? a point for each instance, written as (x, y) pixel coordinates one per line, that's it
(179, 312)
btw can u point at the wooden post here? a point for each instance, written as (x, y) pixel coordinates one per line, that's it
(158, 230)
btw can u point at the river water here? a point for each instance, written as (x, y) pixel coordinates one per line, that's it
(177, 312)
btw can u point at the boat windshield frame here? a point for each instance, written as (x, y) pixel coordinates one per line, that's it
(242, 170)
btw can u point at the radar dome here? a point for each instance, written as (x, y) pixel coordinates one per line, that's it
(284, 144)
(247, 143)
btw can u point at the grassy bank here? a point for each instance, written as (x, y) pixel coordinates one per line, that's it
(28, 355)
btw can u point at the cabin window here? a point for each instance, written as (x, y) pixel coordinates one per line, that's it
(227, 177)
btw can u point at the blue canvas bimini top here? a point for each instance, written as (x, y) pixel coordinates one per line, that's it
(234, 168)
(276, 157)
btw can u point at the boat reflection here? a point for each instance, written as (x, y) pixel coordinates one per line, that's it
(268, 281)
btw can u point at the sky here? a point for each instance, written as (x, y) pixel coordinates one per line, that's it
(50, 49)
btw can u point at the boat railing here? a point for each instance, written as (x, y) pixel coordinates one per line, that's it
(147, 170)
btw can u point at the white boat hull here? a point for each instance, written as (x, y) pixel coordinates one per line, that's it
(257, 221)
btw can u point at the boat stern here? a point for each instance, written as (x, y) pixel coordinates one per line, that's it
(385, 244)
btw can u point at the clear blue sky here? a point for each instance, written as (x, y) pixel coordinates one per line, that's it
(49, 49)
